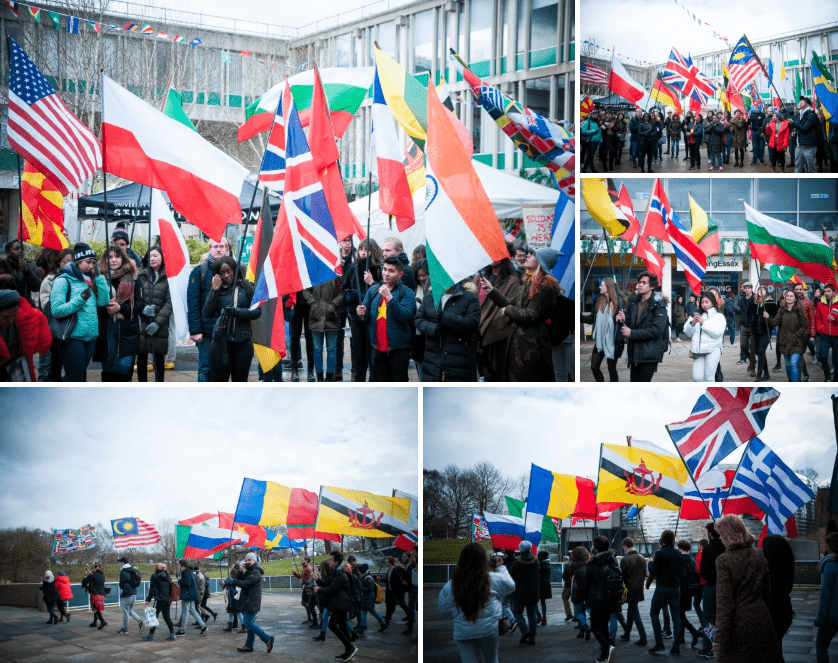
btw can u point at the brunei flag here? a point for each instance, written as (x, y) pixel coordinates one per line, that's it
(703, 229)
(358, 513)
(665, 94)
(43, 213)
(601, 200)
(632, 475)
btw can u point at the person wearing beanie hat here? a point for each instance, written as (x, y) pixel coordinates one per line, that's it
(547, 257)
(50, 596)
(24, 332)
(250, 601)
(77, 290)
(525, 573)
(529, 350)
(120, 238)
(16, 273)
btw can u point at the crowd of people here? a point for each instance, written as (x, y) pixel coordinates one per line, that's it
(802, 133)
(336, 593)
(739, 594)
(511, 322)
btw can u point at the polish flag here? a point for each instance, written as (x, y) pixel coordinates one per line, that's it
(141, 144)
(175, 259)
(624, 85)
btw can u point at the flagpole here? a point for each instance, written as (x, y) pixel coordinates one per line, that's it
(104, 181)
(20, 216)
(134, 224)
(764, 71)
(593, 261)
(690, 473)
(747, 446)
(636, 505)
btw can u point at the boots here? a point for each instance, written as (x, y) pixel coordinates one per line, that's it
(52, 620)
(544, 620)
(229, 628)
(61, 619)
(311, 377)
(149, 637)
(338, 375)
(295, 375)
(320, 638)
(319, 377)
(172, 636)
(330, 377)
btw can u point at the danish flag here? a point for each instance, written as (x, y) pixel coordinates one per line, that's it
(680, 72)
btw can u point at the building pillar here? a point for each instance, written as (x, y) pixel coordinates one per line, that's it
(554, 88)
(527, 34)
(666, 284)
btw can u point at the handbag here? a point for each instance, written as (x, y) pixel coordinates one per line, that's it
(151, 618)
(61, 328)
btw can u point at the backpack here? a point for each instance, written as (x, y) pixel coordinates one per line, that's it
(174, 591)
(666, 336)
(354, 589)
(693, 578)
(134, 578)
(560, 322)
(611, 586)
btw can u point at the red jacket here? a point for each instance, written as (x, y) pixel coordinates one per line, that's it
(62, 584)
(825, 325)
(698, 565)
(773, 135)
(33, 336)
(809, 308)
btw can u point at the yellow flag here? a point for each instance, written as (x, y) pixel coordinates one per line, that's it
(358, 513)
(633, 475)
(601, 206)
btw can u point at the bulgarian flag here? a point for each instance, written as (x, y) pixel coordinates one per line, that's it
(175, 258)
(461, 229)
(345, 87)
(781, 243)
(141, 144)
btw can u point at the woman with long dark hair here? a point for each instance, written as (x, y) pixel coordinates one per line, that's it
(155, 316)
(472, 599)
(602, 318)
(761, 312)
(780, 558)
(354, 285)
(792, 327)
(706, 329)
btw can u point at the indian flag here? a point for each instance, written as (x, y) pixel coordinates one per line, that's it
(781, 243)
(461, 229)
(346, 88)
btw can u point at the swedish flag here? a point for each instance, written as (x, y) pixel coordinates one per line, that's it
(826, 94)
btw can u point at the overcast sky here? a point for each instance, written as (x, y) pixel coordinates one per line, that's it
(560, 429)
(648, 29)
(86, 455)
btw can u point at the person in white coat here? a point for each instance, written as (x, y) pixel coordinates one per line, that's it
(706, 330)
(473, 600)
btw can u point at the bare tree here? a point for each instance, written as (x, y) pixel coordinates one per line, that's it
(810, 473)
(520, 487)
(488, 488)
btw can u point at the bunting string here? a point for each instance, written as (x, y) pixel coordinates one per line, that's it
(701, 22)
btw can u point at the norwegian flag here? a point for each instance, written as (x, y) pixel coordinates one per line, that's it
(407, 541)
(723, 419)
(680, 72)
(304, 251)
(713, 489)
(272, 171)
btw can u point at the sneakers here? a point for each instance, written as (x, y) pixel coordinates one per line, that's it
(148, 637)
(625, 636)
(320, 638)
(742, 361)
(350, 654)
(705, 654)
(668, 635)
(172, 636)
(122, 630)
(203, 630)
(569, 618)
(612, 652)
(182, 632)
(641, 643)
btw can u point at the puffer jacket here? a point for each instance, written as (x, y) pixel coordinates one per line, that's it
(237, 329)
(828, 602)
(777, 135)
(33, 337)
(713, 136)
(125, 588)
(591, 132)
(707, 336)
(158, 587)
(70, 279)
(127, 322)
(792, 327)
(250, 599)
(545, 572)
(525, 573)
(695, 131)
(325, 300)
(756, 120)
(62, 586)
(450, 332)
(486, 624)
(400, 311)
(336, 588)
(367, 588)
(155, 292)
(646, 343)
(50, 593)
(808, 127)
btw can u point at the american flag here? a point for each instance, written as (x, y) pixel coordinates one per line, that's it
(743, 65)
(42, 129)
(131, 532)
(723, 419)
(589, 73)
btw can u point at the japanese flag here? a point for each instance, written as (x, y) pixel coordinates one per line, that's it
(175, 259)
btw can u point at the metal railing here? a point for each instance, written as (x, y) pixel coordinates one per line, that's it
(439, 574)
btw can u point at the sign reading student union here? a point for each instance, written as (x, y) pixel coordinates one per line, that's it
(722, 264)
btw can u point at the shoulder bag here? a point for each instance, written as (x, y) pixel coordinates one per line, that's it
(61, 328)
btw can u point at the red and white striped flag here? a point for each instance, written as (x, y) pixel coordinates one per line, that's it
(42, 129)
(133, 532)
(589, 73)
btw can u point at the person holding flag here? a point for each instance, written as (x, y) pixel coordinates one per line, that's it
(643, 326)
(706, 329)
(807, 129)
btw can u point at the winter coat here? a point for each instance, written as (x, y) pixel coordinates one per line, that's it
(529, 352)
(486, 624)
(744, 631)
(545, 572)
(188, 586)
(495, 327)
(591, 132)
(349, 286)
(50, 593)
(580, 570)
(707, 336)
(649, 133)
(713, 136)
(646, 343)
(125, 588)
(730, 311)
(687, 592)
(822, 322)
(689, 309)
(525, 573)
(592, 579)
(158, 587)
(742, 303)
(45, 290)
(400, 311)
(792, 327)
(325, 301)
(127, 322)
(756, 321)
(739, 133)
(155, 292)
(620, 127)
(828, 602)
(450, 332)
(807, 127)
(633, 568)
(674, 128)
(31, 336)
(777, 138)
(696, 133)
(367, 587)
(71, 278)
(667, 567)
(94, 583)
(408, 278)
(201, 582)
(237, 330)
(62, 586)
(336, 589)
(250, 599)
(200, 284)
(709, 554)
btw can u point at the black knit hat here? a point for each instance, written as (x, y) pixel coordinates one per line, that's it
(82, 251)
(119, 234)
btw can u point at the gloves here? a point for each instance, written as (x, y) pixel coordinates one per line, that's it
(152, 329)
(231, 311)
(148, 311)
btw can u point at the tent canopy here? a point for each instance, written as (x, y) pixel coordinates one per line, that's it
(507, 193)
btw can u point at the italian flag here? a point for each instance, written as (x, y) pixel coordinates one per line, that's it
(781, 243)
(461, 229)
(141, 144)
(346, 88)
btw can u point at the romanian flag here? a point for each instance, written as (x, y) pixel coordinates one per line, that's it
(381, 342)
(603, 207)
(634, 475)
(586, 107)
(665, 94)
(358, 513)
(43, 214)
(147, 30)
(130, 27)
(703, 229)
(268, 503)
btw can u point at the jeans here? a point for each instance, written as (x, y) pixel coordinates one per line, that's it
(805, 159)
(188, 608)
(391, 366)
(127, 605)
(642, 372)
(708, 598)
(675, 146)
(372, 611)
(249, 622)
(331, 338)
(44, 366)
(827, 342)
(579, 609)
(634, 147)
(203, 360)
(633, 613)
(564, 358)
(528, 625)
(326, 617)
(616, 618)
(670, 596)
(793, 367)
(715, 156)
(822, 640)
(695, 155)
(731, 329)
(599, 628)
(470, 650)
(75, 356)
(758, 140)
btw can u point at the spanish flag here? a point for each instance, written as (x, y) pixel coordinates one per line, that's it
(634, 475)
(358, 513)
(43, 213)
(600, 202)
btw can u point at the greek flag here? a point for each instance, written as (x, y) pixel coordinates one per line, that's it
(771, 484)
(493, 95)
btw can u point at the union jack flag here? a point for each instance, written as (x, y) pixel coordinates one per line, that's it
(723, 419)
(304, 249)
(680, 72)
(272, 171)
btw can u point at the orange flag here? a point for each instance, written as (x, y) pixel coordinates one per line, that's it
(43, 215)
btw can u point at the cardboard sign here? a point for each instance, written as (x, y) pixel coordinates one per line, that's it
(538, 225)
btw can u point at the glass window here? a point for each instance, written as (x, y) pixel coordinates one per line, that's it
(423, 37)
(728, 222)
(538, 95)
(561, 82)
(833, 41)
(442, 54)
(774, 195)
(678, 196)
(545, 24)
(480, 46)
(523, 24)
(818, 195)
(461, 30)
(476, 113)
(505, 17)
(387, 38)
(813, 222)
(729, 194)
(342, 50)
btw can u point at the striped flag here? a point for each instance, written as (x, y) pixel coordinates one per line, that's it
(506, 531)
(646, 252)
(132, 532)
(162, 35)
(589, 73)
(130, 27)
(147, 30)
(43, 131)
(358, 513)
(563, 239)
(635, 475)
(13, 6)
(73, 25)
(743, 64)
(96, 26)
(179, 39)
(272, 170)
(43, 215)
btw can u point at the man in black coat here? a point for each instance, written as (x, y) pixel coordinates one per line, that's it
(709, 554)
(644, 327)
(595, 590)
(94, 584)
(525, 573)
(757, 123)
(337, 589)
(250, 601)
(666, 570)
(808, 127)
(158, 590)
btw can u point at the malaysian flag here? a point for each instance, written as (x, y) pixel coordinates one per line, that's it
(589, 73)
(272, 171)
(743, 65)
(42, 129)
(131, 532)
(723, 419)
(681, 73)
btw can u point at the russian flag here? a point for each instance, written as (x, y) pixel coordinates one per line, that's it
(506, 531)
(206, 541)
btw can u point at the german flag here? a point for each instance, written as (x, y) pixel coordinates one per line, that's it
(43, 213)
(665, 94)
(634, 475)
(358, 513)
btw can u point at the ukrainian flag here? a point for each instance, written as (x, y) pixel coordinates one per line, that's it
(358, 513)
(634, 475)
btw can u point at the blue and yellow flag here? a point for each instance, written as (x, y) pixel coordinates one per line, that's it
(826, 94)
